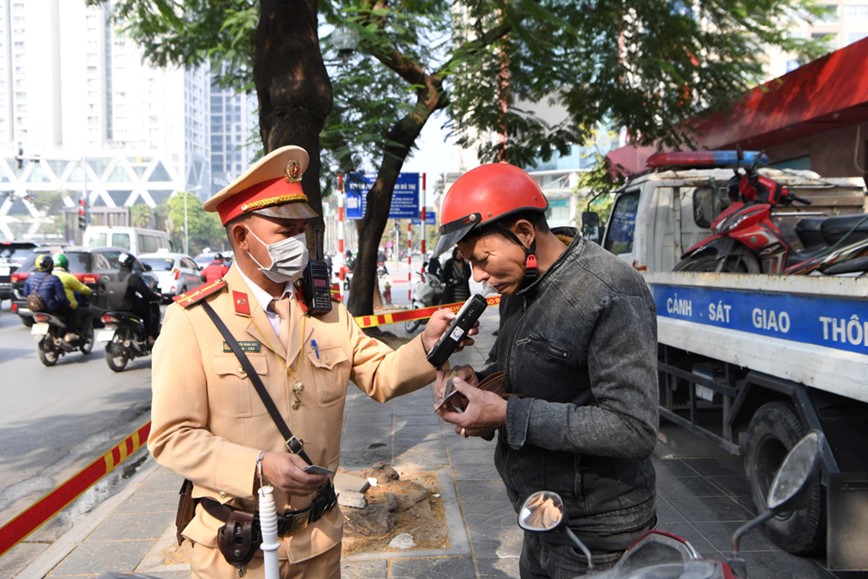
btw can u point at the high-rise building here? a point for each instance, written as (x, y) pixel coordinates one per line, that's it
(90, 117)
(843, 23)
(234, 119)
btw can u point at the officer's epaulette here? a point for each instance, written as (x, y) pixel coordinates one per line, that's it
(196, 295)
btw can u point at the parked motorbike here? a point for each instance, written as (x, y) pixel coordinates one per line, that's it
(426, 293)
(745, 238)
(664, 555)
(52, 331)
(125, 337)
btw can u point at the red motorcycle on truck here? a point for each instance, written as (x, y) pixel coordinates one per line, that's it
(746, 239)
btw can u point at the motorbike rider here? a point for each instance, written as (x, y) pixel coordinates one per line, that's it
(143, 301)
(48, 286)
(577, 353)
(81, 315)
(432, 266)
(215, 270)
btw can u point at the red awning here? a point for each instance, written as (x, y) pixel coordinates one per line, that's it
(824, 94)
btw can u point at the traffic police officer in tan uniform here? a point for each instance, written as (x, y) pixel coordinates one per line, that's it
(208, 423)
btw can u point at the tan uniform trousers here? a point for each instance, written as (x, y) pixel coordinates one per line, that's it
(209, 563)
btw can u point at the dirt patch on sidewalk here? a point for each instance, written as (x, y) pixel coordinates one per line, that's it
(407, 504)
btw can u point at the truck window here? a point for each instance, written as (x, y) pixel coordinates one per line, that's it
(706, 206)
(619, 233)
(147, 243)
(121, 240)
(97, 240)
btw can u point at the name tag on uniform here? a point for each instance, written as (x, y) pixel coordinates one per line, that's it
(245, 346)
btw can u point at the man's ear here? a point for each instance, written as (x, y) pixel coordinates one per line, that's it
(238, 236)
(525, 231)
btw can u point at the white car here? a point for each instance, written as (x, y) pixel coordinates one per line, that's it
(176, 272)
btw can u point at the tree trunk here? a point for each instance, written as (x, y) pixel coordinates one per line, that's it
(370, 229)
(293, 87)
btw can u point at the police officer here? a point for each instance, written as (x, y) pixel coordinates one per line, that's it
(210, 425)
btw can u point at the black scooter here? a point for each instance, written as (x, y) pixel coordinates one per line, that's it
(125, 337)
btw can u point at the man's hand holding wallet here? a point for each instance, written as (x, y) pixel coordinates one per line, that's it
(476, 409)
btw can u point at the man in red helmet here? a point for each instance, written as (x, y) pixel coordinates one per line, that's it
(577, 346)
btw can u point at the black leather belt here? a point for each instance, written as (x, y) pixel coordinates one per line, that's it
(288, 522)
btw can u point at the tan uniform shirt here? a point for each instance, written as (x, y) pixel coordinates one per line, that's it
(209, 424)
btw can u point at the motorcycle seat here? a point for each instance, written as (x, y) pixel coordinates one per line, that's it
(836, 228)
(808, 231)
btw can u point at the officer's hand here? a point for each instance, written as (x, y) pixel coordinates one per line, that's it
(285, 471)
(438, 323)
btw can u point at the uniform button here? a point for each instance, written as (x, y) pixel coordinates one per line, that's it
(224, 495)
(296, 404)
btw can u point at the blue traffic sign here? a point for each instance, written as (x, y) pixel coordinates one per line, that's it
(405, 197)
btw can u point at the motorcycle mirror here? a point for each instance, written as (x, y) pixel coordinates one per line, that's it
(541, 511)
(795, 472)
(544, 511)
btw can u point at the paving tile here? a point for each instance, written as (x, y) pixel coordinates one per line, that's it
(717, 466)
(733, 485)
(151, 502)
(500, 568)
(130, 526)
(666, 513)
(782, 565)
(364, 569)
(95, 557)
(496, 543)
(431, 567)
(719, 534)
(690, 533)
(696, 509)
(672, 468)
(688, 486)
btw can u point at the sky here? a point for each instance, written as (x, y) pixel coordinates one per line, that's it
(434, 154)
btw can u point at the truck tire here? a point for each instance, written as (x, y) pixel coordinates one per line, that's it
(774, 430)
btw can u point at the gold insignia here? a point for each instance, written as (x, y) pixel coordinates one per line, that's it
(292, 171)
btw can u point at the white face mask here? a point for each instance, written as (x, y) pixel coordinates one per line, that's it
(289, 257)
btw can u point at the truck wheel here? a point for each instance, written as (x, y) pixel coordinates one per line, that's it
(773, 431)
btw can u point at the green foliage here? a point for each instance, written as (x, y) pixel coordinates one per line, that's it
(203, 228)
(142, 216)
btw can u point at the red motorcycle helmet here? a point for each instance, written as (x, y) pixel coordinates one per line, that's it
(483, 196)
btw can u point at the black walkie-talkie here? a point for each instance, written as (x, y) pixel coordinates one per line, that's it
(316, 283)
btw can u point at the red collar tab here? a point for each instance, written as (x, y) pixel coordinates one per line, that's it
(241, 303)
(300, 297)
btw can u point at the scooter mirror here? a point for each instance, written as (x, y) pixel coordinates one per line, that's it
(795, 472)
(541, 511)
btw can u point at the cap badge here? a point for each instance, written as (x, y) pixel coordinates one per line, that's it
(292, 171)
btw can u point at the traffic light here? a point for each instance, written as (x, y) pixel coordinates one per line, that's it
(19, 159)
(82, 213)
